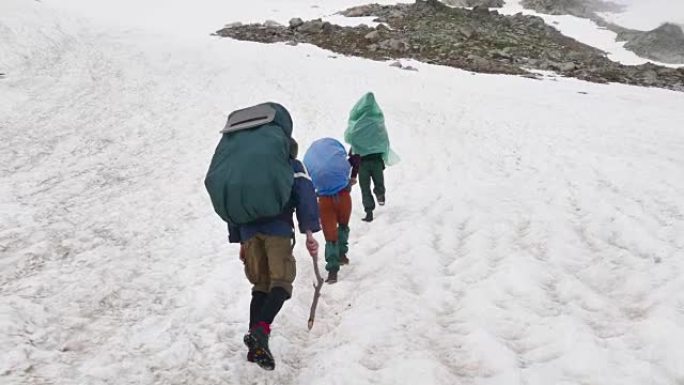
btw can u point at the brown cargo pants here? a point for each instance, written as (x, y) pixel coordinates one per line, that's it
(269, 263)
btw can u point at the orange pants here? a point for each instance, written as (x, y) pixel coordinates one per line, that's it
(335, 210)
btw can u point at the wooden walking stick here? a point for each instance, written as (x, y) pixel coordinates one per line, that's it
(317, 291)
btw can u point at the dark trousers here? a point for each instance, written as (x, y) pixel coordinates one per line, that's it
(371, 169)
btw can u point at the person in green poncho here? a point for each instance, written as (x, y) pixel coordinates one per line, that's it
(367, 135)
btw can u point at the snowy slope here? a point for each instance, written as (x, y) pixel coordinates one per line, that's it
(534, 231)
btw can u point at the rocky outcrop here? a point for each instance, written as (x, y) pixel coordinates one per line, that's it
(664, 44)
(479, 40)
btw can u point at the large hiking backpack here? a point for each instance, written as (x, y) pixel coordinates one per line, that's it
(327, 164)
(250, 176)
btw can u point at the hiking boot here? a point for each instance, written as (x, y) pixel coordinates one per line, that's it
(257, 343)
(332, 277)
(344, 260)
(368, 217)
(250, 351)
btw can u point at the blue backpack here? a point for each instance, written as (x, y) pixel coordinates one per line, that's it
(327, 164)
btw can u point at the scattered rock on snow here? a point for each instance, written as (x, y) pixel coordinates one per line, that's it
(295, 22)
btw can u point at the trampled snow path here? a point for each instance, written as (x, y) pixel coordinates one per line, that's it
(533, 232)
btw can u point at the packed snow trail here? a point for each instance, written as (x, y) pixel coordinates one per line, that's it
(533, 232)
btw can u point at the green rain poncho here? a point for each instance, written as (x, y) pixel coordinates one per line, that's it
(366, 131)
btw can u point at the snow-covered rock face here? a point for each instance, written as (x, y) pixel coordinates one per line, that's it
(665, 44)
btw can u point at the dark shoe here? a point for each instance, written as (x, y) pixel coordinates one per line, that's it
(247, 339)
(344, 260)
(332, 277)
(369, 217)
(257, 343)
(381, 200)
